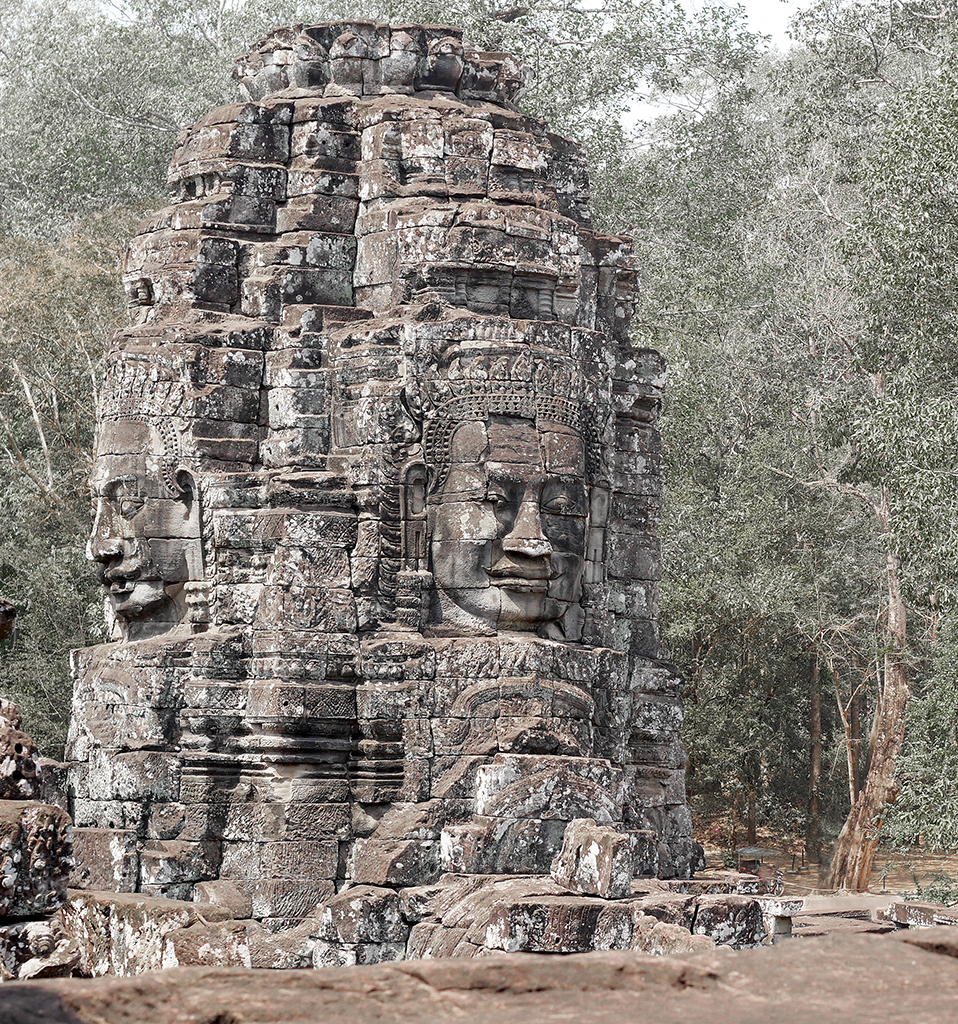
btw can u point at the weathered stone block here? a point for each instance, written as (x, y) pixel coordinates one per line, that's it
(105, 859)
(174, 861)
(729, 920)
(36, 856)
(288, 899)
(363, 914)
(127, 933)
(557, 924)
(395, 862)
(594, 860)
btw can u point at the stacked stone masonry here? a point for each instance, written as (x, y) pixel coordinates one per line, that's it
(376, 494)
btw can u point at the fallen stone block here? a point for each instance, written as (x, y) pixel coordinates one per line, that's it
(917, 914)
(729, 920)
(594, 860)
(128, 933)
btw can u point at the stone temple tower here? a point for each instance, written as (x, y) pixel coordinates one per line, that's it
(376, 490)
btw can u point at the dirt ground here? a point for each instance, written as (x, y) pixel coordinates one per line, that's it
(894, 872)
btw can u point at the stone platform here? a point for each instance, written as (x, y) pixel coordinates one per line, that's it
(911, 976)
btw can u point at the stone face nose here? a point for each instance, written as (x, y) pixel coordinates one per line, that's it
(526, 537)
(105, 543)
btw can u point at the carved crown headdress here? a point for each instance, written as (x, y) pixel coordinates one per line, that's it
(144, 389)
(515, 385)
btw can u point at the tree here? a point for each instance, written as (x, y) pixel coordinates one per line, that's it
(58, 305)
(904, 250)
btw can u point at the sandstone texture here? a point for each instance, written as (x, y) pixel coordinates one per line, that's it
(848, 979)
(376, 490)
(36, 857)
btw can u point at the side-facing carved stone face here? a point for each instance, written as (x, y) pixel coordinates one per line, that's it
(508, 525)
(144, 538)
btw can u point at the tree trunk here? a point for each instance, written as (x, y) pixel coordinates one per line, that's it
(854, 747)
(855, 847)
(813, 842)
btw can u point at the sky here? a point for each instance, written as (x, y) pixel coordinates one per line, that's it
(771, 17)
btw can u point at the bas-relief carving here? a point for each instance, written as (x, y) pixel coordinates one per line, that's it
(146, 527)
(507, 527)
(405, 512)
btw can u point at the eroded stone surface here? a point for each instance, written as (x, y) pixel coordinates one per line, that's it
(846, 980)
(35, 858)
(595, 860)
(376, 493)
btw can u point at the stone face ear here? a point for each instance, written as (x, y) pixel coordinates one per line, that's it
(185, 484)
(414, 518)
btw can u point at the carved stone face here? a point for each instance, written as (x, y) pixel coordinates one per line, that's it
(144, 538)
(508, 526)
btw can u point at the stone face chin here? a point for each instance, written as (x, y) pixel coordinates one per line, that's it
(375, 501)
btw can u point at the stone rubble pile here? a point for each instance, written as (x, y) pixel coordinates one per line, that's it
(35, 862)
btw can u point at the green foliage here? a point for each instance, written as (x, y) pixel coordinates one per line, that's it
(926, 809)
(940, 889)
(58, 305)
(904, 254)
(92, 96)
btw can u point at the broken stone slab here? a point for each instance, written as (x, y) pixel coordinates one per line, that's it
(594, 860)
(916, 914)
(715, 882)
(127, 933)
(35, 858)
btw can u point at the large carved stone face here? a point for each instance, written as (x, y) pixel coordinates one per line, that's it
(508, 526)
(144, 538)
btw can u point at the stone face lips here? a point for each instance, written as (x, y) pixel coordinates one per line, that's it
(377, 486)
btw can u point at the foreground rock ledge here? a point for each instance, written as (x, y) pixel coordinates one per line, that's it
(910, 976)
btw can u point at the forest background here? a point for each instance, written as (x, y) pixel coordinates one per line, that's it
(795, 217)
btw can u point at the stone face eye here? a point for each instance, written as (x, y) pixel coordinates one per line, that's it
(562, 505)
(130, 506)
